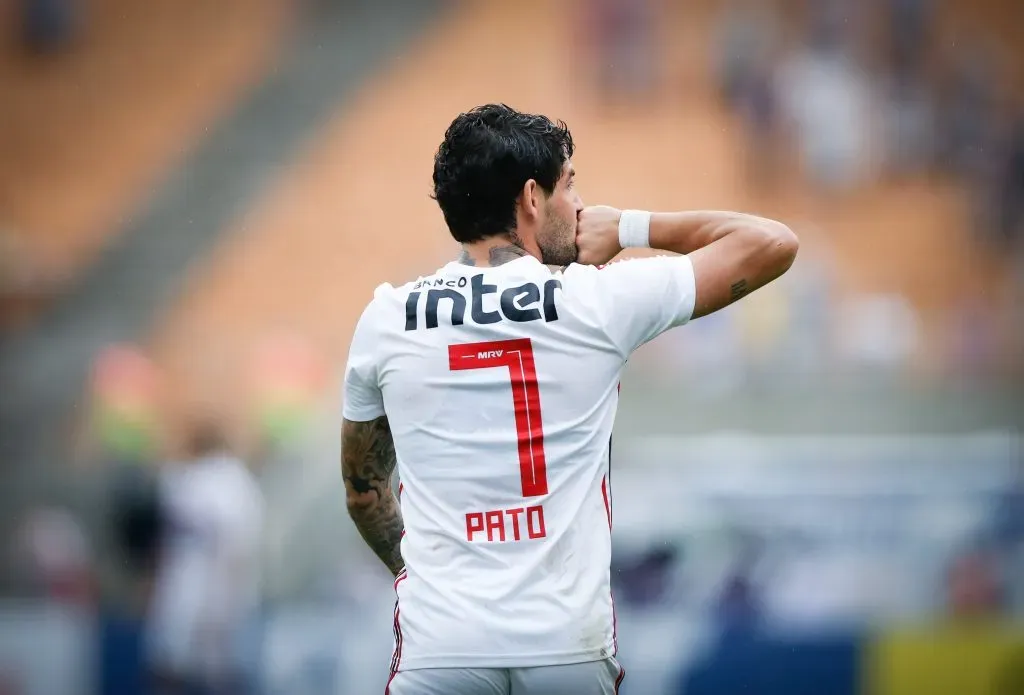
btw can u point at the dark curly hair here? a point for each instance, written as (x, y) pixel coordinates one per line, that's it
(487, 156)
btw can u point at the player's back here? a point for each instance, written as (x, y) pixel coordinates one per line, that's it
(500, 385)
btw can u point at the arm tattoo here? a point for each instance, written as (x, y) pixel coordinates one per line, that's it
(737, 290)
(367, 462)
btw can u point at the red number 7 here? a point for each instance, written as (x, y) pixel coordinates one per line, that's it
(517, 356)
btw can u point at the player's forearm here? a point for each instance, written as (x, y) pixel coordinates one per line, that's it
(367, 463)
(685, 232)
(379, 522)
(738, 253)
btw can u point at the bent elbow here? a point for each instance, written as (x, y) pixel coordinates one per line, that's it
(780, 246)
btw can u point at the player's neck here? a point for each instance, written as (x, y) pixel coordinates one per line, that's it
(491, 252)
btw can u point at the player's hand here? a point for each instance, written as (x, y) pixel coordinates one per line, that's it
(597, 234)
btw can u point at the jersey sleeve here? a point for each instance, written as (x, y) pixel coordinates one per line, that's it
(363, 400)
(644, 297)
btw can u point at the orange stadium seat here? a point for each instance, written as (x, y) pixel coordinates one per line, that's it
(85, 133)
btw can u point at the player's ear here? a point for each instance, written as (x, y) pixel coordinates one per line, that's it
(530, 198)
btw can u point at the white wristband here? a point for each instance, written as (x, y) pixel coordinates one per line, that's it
(635, 229)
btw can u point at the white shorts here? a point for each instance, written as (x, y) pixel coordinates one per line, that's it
(590, 678)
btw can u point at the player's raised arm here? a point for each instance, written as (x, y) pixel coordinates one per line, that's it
(367, 463)
(732, 253)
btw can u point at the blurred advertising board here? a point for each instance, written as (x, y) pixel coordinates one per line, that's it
(970, 659)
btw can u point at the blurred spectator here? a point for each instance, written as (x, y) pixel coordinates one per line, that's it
(969, 130)
(746, 50)
(764, 322)
(708, 355)
(17, 269)
(909, 114)
(973, 586)
(138, 522)
(819, 587)
(624, 45)
(879, 331)
(55, 558)
(909, 121)
(828, 103)
(1015, 311)
(1008, 525)
(760, 110)
(49, 25)
(124, 386)
(288, 378)
(24, 283)
(207, 584)
(832, 25)
(739, 608)
(974, 337)
(1010, 187)
(1008, 538)
(644, 580)
(969, 106)
(747, 36)
(910, 24)
(810, 286)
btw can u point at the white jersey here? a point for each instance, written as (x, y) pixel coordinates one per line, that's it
(501, 386)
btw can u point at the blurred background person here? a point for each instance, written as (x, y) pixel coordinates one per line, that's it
(623, 47)
(975, 587)
(50, 25)
(55, 559)
(206, 587)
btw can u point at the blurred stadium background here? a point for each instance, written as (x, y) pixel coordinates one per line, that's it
(820, 490)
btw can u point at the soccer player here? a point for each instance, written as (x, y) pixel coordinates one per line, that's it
(492, 385)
